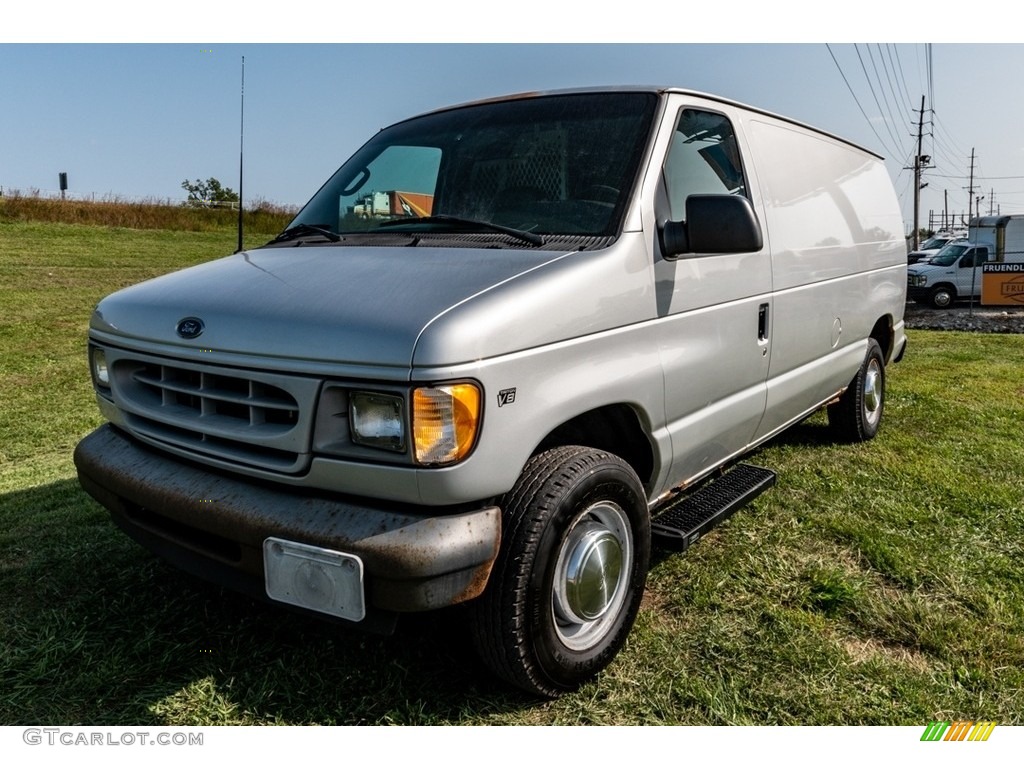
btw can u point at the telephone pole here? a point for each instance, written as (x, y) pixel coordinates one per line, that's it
(970, 189)
(919, 161)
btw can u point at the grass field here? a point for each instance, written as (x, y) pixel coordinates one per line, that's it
(876, 584)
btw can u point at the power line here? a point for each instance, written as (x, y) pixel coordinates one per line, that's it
(873, 94)
(897, 93)
(857, 102)
(939, 124)
(931, 82)
(898, 66)
(881, 88)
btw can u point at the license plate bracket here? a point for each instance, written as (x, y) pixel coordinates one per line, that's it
(314, 578)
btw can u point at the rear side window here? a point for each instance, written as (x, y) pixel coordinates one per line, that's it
(702, 159)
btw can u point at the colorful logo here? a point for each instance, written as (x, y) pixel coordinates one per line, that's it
(958, 730)
(1013, 289)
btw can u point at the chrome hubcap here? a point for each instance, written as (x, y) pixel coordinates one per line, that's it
(873, 392)
(593, 565)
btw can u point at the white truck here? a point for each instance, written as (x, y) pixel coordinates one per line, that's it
(955, 272)
(500, 348)
(932, 246)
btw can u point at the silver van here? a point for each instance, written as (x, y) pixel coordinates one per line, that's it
(502, 347)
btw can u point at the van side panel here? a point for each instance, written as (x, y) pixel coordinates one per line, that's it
(838, 261)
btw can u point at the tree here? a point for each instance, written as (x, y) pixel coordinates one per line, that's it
(209, 192)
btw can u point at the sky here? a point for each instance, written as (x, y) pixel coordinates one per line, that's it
(131, 114)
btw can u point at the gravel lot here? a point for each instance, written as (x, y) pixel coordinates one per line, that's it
(963, 318)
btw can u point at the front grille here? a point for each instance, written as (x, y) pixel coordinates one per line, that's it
(243, 417)
(231, 399)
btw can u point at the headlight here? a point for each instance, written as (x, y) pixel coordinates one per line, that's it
(428, 426)
(445, 420)
(377, 420)
(100, 372)
(918, 280)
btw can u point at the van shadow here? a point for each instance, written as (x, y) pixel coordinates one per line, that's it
(97, 631)
(811, 432)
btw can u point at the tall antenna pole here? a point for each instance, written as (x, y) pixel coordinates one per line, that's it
(241, 151)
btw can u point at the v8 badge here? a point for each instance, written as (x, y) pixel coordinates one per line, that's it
(506, 397)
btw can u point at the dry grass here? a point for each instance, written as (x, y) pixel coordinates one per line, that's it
(261, 217)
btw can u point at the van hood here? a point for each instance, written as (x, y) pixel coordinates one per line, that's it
(364, 305)
(925, 268)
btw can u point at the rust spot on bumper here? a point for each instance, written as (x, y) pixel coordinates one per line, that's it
(414, 558)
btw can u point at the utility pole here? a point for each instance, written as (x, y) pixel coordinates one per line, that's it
(920, 163)
(916, 178)
(970, 188)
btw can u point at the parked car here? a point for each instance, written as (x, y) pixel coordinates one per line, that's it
(502, 344)
(930, 247)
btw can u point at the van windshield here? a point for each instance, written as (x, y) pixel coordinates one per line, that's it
(550, 165)
(947, 256)
(934, 243)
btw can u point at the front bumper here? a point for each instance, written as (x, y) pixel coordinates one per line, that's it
(214, 524)
(918, 293)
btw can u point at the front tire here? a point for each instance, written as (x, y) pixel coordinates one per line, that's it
(568, 581)
(858, 414)
(942, 297)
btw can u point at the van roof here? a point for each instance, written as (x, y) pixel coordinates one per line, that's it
(657, 90)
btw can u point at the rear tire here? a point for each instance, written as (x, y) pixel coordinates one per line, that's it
(567, 584)
(858, 414)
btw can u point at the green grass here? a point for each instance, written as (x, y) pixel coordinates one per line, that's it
(876, 584)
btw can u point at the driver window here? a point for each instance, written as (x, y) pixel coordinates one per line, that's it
(703, 159)
(974, 258)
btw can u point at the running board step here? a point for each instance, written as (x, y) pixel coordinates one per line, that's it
(683, 521)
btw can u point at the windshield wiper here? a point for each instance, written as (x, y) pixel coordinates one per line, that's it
(457, 221)
(300, 230)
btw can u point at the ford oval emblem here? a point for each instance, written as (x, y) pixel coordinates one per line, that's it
(190, 327)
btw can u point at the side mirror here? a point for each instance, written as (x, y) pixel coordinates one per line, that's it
(714, 224)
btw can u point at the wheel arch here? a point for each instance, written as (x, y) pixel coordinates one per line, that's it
(884, 334)
(616, 428)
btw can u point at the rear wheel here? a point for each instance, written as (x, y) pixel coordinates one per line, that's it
(858, 414)
(567, 584)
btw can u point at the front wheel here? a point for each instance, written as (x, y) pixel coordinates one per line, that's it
(568, 581)
(942, 297)
(858, 414)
